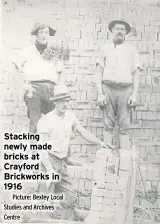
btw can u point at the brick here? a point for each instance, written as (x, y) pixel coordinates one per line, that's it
(97, 200)
(142, 106)
(84, 149)
(108, 201)
(151, 29)
(6, 119)
(84, 105)
(150, 124)
(95, 122)
(123, 174)
(156, 89)
(98, 192)
(109, 186)
(77, 172)
(149, 36)
(88, 185)
(107, 209)
(96, 207)
(110, 178)
(144, 141)
(153, 97)
(151, 115)
(122, 184)
(82, 201)
(139, 113)
(75, 184)
(70, 171)
(89, 173)
(88, 202)
(145, 88)
(157, 133)
(148, 185)
(153, 173)
(156, 141)
(91, 149)
(149, 132)
(81, 185)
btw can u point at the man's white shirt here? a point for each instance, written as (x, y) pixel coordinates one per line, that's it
(59, 130)
(34, 66)
(119, 62)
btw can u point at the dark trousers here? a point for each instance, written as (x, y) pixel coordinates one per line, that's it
(39, 103)
(116, 106)
(64, 186)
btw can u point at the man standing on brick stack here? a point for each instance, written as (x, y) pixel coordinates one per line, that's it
(117, 78)
(40, 74)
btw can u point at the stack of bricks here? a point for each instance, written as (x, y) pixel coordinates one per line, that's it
(81, 179)
(112, 184)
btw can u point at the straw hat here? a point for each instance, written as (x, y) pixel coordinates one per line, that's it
(60, 92)
(122, 21)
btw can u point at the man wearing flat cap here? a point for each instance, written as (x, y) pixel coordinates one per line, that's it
(117, 78)
(59, 123)
(56, 127)
(41, 75)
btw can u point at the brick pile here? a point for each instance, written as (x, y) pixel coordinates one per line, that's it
(109, 201)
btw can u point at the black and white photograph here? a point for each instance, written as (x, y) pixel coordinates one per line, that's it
(80, 111)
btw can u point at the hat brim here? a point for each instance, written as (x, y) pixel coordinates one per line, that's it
(52, 32)
(112, 23)
(60, 96)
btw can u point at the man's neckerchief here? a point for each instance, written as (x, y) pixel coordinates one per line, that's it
(40, 47)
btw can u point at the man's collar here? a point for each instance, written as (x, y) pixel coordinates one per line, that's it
(40, 47)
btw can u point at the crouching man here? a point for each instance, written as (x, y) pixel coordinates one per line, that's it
(58, 126)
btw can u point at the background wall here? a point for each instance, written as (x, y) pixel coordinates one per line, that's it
(84, 25)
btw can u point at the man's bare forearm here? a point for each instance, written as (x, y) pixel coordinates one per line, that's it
(61, 79)
(88, 136)
(98, 78)
(136, 77)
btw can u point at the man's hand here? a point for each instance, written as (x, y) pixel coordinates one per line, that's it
(73, 162)
(101, 100)
(132, 100)
(104, 145)
(31, 89)
(59, 66)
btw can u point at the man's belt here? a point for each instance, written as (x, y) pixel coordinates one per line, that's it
(43, 81)
(115, 83)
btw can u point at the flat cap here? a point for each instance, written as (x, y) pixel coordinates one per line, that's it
(37, 26)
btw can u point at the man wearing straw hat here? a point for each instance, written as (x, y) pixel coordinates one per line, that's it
(58, 126)
(40, 75)
(117, 78)
(61, 122)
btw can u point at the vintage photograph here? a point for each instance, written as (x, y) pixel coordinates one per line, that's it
(80, 111)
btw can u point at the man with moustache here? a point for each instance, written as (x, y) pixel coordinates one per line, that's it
(117, 79)
(57, 127)
(40, 75)
(59, 124)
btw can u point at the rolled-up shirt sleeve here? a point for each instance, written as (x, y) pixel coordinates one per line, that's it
(136, 62)
(76, 123)
(20, 59)
(100, 59)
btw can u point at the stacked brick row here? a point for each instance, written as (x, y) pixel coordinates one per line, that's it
(81, 179)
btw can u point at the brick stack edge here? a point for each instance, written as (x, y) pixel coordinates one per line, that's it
(84, 25)
(109, 200)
